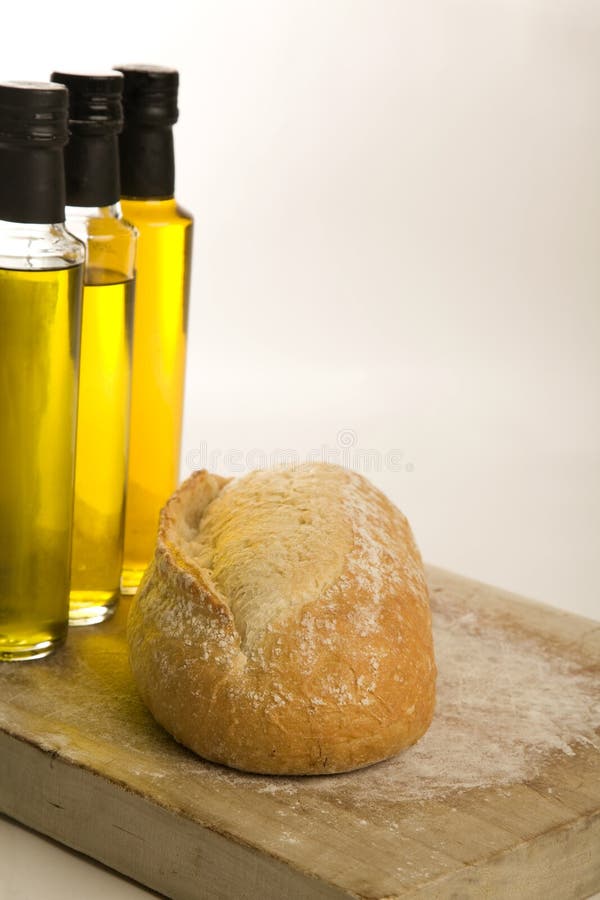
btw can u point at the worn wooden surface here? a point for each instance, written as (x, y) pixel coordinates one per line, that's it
(501, 799)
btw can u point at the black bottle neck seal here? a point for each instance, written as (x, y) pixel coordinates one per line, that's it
(92, 154)
(146, 146)
(33, 133)
(147, 163)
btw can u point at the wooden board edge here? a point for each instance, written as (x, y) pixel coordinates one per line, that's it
(138, 838)
(561, 864)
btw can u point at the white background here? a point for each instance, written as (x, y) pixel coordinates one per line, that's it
(397, 245)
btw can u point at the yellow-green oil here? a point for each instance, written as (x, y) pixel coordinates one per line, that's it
(159, 349)
(102, 437)
(39, 350)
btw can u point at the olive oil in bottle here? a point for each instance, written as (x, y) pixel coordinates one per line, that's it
(41, 267)
(94, 215)
(160, 324)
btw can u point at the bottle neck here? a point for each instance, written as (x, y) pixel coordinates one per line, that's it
(32, 184)
(147, 162)
(111, 211)
(29, 246)
(93, 222)
(92, 170)
(110, 242)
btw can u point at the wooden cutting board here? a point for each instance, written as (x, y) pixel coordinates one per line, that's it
(500, 799)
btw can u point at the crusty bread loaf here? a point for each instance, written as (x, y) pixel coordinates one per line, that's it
(284, 626)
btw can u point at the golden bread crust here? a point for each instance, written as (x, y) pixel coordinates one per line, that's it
(239, 661)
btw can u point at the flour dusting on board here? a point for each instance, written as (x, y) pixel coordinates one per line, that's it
(506, 704)
(502, 707)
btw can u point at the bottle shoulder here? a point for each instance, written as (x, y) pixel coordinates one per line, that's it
(148, 213)
(129, 228)
(110, 242)
(184, 214)
(99, 222)
(23, 245)
(103, 231)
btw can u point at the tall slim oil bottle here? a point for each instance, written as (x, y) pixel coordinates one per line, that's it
(41, 268)
(94, 215)
(163, 278)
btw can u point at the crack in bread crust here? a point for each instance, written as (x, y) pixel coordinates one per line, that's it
(268, 557)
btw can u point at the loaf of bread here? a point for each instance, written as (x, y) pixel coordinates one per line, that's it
(284, 625)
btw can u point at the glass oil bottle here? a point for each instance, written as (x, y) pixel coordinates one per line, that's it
(41, 268)
(94, 215)
(160, 329)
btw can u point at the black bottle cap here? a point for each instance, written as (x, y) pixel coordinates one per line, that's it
(33, 112)
(150, 95)
(95, 120)
(33, 132)
(146, 143)
(95, 101)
